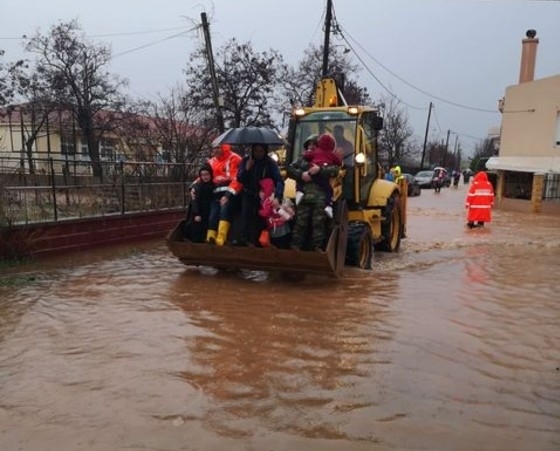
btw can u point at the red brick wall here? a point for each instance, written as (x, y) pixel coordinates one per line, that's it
(40, 240)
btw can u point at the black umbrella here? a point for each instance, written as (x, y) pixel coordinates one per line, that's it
(249, 135)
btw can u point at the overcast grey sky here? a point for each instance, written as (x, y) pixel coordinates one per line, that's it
(463, 52)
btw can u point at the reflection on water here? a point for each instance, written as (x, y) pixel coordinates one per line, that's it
(451, 344)
(278, 355)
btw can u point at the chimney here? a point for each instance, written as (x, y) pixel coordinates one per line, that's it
(528, 57)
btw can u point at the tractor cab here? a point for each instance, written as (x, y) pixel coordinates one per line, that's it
(355, 131)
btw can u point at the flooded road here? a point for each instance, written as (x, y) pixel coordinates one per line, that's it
(454, 343)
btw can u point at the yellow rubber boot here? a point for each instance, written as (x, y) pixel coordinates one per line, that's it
(211, 236)
(223, 229)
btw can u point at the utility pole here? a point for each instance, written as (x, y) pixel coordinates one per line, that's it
(446, 146)
(212, 70)
(328, 20)
(426, 136)
(455, 151)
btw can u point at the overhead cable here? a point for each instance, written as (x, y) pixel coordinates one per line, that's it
(104, 35)
(441, 99)
(182, 33)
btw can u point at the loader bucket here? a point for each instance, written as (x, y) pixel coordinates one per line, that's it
(269, 259)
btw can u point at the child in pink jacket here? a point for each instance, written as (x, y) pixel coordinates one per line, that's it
(277, 219)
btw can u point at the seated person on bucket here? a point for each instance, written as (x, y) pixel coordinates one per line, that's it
(224, 166)
(311, 209)
(277, 218)
(201, 200)
(310, 143)
(321, 154)
(252, 169)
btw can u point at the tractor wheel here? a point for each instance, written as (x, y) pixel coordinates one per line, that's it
(392, 226)
(359, 251)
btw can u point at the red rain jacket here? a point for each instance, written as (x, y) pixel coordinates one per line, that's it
(480, 199)
(224, 169)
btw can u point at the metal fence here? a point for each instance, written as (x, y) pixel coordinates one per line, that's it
(551, 189)
(58, 189)
(519, 185)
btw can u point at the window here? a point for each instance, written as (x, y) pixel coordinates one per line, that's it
(107, 148)
(518, 185)
(552, 187)
(84, 148)
(320, 122)
(369, 144)
(67, 145)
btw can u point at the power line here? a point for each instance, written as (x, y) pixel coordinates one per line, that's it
(478, 138)
(437, 120)
(182, 33)
(380, 82)
(337, 30)
(103, 35)
(441, 99)
(128, 33)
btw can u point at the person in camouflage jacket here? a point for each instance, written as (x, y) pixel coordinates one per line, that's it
(310, 211)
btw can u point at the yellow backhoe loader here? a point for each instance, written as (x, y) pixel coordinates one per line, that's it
(370, 212)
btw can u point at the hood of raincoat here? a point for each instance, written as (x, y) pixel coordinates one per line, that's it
(326, 142)
(226, 152)
(267, 186)
(481, 177)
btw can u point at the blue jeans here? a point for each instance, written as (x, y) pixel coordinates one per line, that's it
(219, 213)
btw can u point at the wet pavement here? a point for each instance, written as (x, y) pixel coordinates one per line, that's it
(453, 343)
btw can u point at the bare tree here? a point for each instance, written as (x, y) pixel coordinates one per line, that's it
(395, 138)
(182, 129)
(5, 89)
(75, 71)
(136, 131)
(298, 84)
(246, 81)
(412, 154)
(35, 105)
(483, 150)
(437, 153)
(169, 129)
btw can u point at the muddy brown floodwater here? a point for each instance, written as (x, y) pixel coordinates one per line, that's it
(451, 344)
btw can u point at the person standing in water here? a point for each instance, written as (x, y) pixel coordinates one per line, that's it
(479, 201)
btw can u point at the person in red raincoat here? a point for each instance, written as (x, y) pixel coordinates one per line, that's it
(224, 164)
(479, 201)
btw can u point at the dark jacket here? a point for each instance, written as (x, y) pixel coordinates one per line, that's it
(296, 169)
(263, 168)
(203, 195)
(200, 205)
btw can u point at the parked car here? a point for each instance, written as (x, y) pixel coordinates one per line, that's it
(413, 185)
(424, 178)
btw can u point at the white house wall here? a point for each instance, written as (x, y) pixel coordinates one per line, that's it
(530, 118)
